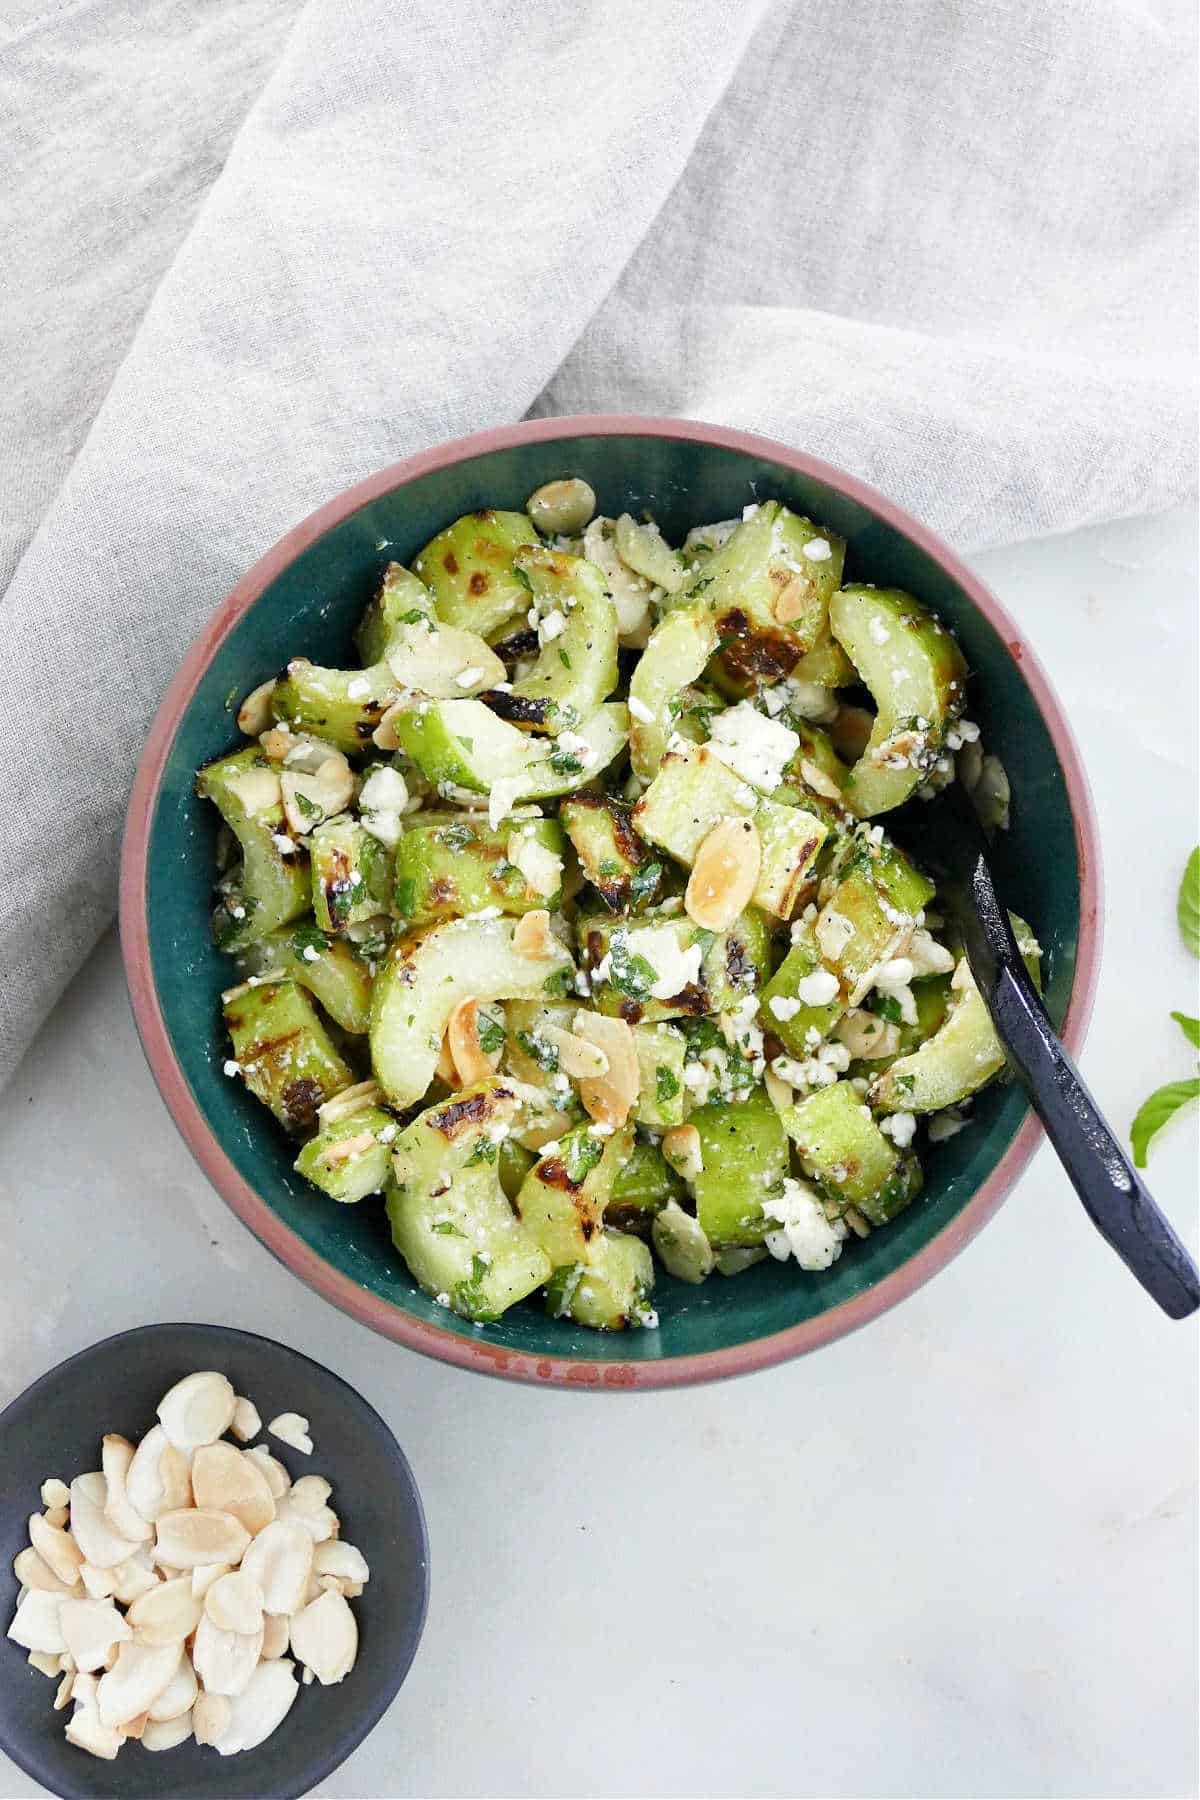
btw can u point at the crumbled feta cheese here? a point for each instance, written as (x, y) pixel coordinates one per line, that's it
(232, 1068)
(756, 748)
(945, 1125)
(817, 989)
(783, 1008)
(927, 956)
(804, 1231)
(502, 798)
(283, 843)
(893, 978)
(900, 1127)
(541, 866)
(640, 710)
(384, 798)
(310, 954)
(748, 512)
(674, 968)
(817, 550)
(551, 627)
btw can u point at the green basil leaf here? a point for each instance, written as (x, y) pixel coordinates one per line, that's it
(1189, 1027)
(1156, 1112)
(1187, 908)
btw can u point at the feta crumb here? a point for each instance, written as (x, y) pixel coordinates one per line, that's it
(817, 989)
(817, 550)
(674, 968)
(551, 627)
(783, 1008)
(310, 954)
(900, 1127)
(232, 1068)
(283, 843)
(804, 1232)
(640, 710)
(502, 798)
(748, 512)
(756, 748)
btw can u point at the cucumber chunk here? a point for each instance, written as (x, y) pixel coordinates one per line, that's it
(402, 600)
(840, 1144)
(610, 1292)
(744, 1149)
(625, 957)
(462, 744)
(611, 854)
(348, 1160)
(270, 884)
(562, 1199)
(643, 1185)
(678, 650)
(287, 1058)
(351, 874)
(661, 1053)
(577, 669)
(768, 586)
(468, 568)
(458, 865)
(683, 1249)
(333, 972)
(917, 675)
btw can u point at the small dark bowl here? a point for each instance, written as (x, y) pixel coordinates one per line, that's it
(55, 1427)
(303, 598)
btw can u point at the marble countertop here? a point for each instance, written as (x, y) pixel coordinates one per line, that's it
(952, 1555)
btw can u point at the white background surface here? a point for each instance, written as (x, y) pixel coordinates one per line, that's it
(952, 1555)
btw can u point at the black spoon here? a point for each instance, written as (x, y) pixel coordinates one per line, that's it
(1115, 1198)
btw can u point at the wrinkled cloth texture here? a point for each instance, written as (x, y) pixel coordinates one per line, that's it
(256, 249)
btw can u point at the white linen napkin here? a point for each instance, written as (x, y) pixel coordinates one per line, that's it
(947, 246)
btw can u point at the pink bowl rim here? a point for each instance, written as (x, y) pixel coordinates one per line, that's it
(381, 1315)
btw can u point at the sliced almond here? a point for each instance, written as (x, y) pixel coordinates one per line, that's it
(90, 1628)
(144, 1487)
(130, 1580)
(277, 1477)
(134, 1728)
(576, 1057)
(62, 1698)
(310, 1493)
(246, 1423)
(60, 1553)
(167, 1734)
(99, 1583)
(342, 1560)
(262, 1705)
(32, 1572)
(866, 1036)
(204, 1574)
(292, 1428)
(86, 1732)
(325, 1637)
(197, 1410)
(608, 1098)
(445, 1069)
(179, 1694)
(320, 1522)
(57, 1516)
(46, 1662)
(167, 1614)
(210, 1716)
(385, 735)
(682, 1148)
(55, 1492)
(275, 1636)
(344, 1150)
(533, 938)
(724, 874)
(101, 1545)
(254, 714)
(116, 1455)
(779, 1093)
(135, 1681)
(225, 1480)
(225, 1660)
(199, 1535)
(307, 799)
(541, 866)
(792, 600)
(235, 1603)
(819, 782)
(471, 1061)
(351, 1100)
(279, 1560)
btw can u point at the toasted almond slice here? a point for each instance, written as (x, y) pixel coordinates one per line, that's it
(246, 1423)
(263, 1704)
(279, 1560)
(135, 1681)
(168, 1613)
(320, 1522)
(90, 1628)
(277, 1477)
(204, 1574)
(342, 1560)
(199, 1535)
(312, 1589)
(100, 1544)
(179, 1694)
(57, 1516)
(310, 1493)
(235, 1603)
(210, 1716)
(84, 1693)
(325, 1637)
(167, 1734)
(471, 1061)
(254, 714)
(275, 1636)
(576, 1056)
(682, 1149)
(292, 1428)
(385, 735)
(99, 1583)
(445, 1069)
(135, 1727)
(133, 1578)
(62, 1698)
(532, 936)
(779, 1093)
(344, 1105)
(866, 1036)
(143, 1479)
(792, 599)
(116, 1454)
(724, 874)
(608, 1098)
(32, 1572)
(46, 1662)
(225, 1480)
(307, 799)
(197, 1410)
(225, 1660)
(86, 1732)
(55, 1492)
(60, 1553)
(819, 781)
(175, 1472)
(344, 1150)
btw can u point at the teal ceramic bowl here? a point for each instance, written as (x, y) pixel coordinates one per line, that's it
(303, 598)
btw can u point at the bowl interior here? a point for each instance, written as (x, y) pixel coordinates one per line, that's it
(55, 1427)
(310, 609)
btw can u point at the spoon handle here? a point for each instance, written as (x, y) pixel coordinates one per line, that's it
(1113, 1194)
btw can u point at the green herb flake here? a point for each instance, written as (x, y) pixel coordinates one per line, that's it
(564, 762)
(539, 1050)
(564, 659)
(490, 1033)
(308, 807)
(643, 883)
(482, 1151)
(666, 1085)
(456, 837)
(405, 898)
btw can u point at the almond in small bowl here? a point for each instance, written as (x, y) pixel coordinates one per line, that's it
(152, 1633)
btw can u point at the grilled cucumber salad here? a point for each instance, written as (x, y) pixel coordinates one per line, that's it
(563, 922)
